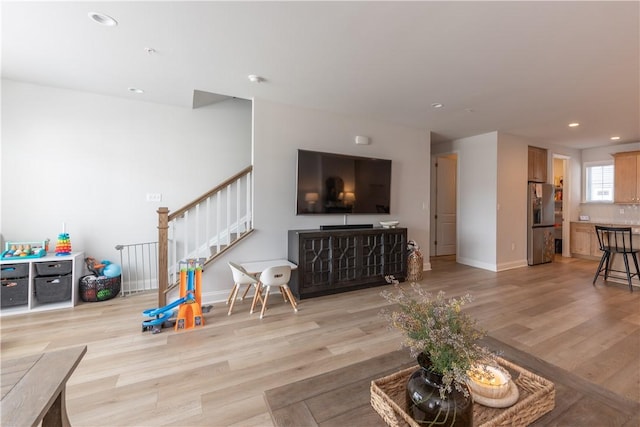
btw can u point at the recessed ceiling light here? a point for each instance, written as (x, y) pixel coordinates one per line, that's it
(135, 90)
(102, 19)
(437, 105)
(615, 138)
(150, 50)
(574, 125)
(255, 79)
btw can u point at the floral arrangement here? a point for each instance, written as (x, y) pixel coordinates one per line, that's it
(437, 327)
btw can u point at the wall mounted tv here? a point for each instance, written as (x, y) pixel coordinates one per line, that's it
(330, 183)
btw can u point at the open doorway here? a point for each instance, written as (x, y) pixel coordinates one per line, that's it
(561, 230)
(444, 204)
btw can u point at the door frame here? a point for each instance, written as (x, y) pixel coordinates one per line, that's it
(433, 200)
(566, 202)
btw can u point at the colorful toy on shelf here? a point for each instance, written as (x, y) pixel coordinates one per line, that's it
(63, 247)
(24, 250)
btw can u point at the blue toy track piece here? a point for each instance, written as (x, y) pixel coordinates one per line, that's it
(157, 311)
(161, 314)
(158, 321)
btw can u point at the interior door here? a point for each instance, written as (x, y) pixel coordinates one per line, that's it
(446, 205)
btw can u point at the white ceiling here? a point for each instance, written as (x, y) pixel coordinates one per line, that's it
(526, 68)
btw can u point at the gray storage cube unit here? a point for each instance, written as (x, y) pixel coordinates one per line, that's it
(52, 288)
(14, 292)
(14, 271)
(53, 268)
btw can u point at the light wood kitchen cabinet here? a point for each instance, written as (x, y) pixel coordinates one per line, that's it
(537, 164)
(627, 177)
(584, 240)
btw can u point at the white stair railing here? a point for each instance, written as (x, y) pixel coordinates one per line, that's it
(204, 228)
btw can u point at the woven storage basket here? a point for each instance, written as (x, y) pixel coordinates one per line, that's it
(537, 397)
(94, 288)
(415, 266)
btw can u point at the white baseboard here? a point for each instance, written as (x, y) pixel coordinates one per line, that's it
(474, 263)
(215, 297)
(511, 265)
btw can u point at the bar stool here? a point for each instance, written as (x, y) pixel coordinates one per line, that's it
(616, 240)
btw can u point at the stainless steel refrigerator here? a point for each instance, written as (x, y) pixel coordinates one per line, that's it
(540, 224)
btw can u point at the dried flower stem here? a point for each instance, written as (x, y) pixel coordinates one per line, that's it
(438, 327)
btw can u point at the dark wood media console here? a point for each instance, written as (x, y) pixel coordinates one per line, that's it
(334, 261)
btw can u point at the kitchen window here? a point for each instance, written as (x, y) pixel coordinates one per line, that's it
(598, 182)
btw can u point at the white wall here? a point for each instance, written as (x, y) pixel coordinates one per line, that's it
(476, 198)
(279, 130)
(604, 153)
(511, 238)
(89, 160)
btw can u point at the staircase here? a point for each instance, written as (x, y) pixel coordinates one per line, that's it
(204, 228)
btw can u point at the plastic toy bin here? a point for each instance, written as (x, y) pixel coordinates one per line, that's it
(53, 288)
(53, 268)
(14, 292)
(14, 271)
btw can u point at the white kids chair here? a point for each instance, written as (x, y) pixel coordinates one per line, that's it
(240, 277)
(274, 276)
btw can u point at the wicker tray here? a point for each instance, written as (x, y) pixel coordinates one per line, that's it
(537, 397)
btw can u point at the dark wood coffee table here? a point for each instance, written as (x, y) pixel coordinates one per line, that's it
(342, 397)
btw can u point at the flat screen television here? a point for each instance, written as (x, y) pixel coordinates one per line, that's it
(329, 183)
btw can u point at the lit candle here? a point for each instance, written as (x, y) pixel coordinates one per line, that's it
(489, 376)
(489, 381)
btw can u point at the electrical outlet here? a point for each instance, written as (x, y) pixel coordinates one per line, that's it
(621, 211)
(154, 197)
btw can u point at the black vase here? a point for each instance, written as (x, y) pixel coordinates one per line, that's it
(425, 405)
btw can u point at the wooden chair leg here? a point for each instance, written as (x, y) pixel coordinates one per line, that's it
(232, 298)
(264, 303)
(235, 285)
(292, 300)
(257, 296)
(245, 292)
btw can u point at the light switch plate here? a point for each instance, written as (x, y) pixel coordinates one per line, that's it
(584, 217)
(154, 197)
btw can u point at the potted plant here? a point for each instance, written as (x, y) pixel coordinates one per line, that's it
(444, 340)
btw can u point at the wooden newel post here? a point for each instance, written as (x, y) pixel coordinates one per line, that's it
(163, 258)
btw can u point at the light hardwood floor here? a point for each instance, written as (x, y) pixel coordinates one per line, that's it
(216, 375)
